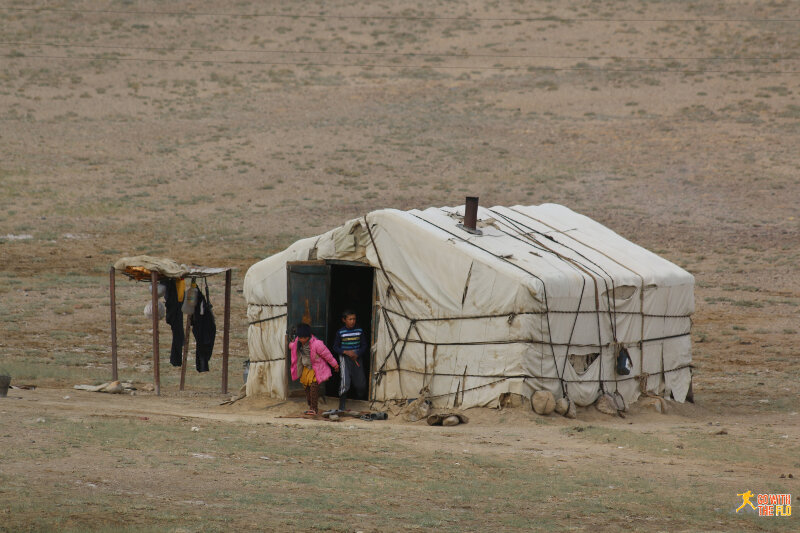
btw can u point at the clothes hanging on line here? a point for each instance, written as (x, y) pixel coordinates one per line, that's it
(205, 331)
(175, 320)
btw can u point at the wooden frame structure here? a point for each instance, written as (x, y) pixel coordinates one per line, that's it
(154, 277)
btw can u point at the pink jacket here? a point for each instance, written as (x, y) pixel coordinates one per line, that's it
(319, 355)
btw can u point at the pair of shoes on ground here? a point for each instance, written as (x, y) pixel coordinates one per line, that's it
(374, 416)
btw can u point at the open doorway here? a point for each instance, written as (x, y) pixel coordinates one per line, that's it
(317, 294)
(350, 289)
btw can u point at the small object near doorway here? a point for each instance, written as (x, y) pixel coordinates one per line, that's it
(317, 294)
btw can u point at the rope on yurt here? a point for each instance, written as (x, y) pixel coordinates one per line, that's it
(641, 332)
(577, 266)
(425, 365)
(583, 270)
(267, 319)
(390, 288)
(463, 387)
(527, 376)
(543, 343)
(390, 329)
(471, 317)
(463, 391)
(516, 225)
(640, 276)
(385, 312)
(611, 306)
(505, 378)
(399, 356)
(544, 287)
(571, 333)
(521, 313)
(393, 349)
(609, 300)
(405, 343)
(466, 284)
(513, 224)
(610, 277)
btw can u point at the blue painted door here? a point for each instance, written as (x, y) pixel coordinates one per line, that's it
(307, 300)
(308, 296)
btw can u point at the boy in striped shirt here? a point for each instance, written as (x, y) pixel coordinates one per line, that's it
(351, 347)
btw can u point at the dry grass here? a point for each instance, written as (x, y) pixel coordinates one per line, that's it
(339, 477)
(130, 130)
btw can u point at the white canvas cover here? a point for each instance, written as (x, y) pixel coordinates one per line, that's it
(514, 310)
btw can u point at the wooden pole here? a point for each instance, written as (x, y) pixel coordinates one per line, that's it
(113, 291)
(226, 334)
(373, 341)
(185, 347)
(156, 370)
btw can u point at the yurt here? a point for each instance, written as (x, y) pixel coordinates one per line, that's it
(474, 305)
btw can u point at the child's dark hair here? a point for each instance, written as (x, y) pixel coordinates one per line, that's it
(347, 312)
(303, 330)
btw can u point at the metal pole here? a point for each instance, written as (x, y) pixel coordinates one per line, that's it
(185, 346)
(113, 290)
(227, 333)
(156, 370)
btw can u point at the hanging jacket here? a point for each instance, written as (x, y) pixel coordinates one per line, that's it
(205, 331)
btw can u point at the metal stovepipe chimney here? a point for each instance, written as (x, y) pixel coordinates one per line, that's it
(471, 215)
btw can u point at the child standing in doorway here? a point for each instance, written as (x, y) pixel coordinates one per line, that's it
(351, 347)
(310, 360)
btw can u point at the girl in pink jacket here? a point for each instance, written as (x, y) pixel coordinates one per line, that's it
(310, 360)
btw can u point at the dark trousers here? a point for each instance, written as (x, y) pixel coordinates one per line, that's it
(352, 377)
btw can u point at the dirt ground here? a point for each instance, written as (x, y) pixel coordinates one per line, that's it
(219, 132)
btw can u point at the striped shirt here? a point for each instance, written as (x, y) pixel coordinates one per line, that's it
(350, 339)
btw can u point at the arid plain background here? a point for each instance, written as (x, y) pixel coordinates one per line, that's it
(219, 132)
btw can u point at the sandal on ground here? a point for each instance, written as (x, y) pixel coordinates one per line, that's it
(311, 412)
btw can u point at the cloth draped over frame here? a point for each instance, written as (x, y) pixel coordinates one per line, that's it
(139, 268)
